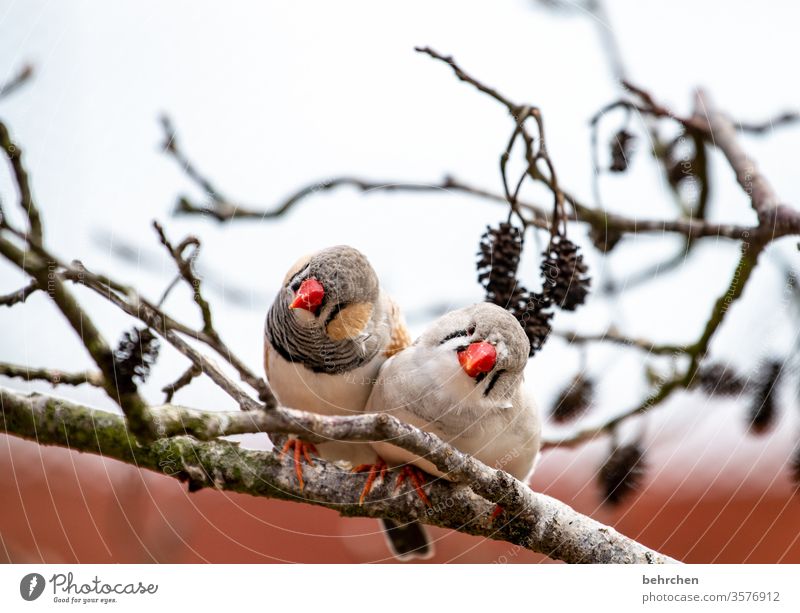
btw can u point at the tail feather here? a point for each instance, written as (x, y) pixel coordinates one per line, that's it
(407, 541)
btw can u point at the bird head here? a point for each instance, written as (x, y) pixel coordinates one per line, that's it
(334, 290)
(484, 345)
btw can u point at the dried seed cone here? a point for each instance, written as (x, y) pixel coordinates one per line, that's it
(534, 318)
(794, 467)
(603, 238)
(763, 409)
(135, 355)
(499, 255)
(719, 380)
(498, 259)
(566, 281)
(622, 473)
(574, 400)
(621, 151)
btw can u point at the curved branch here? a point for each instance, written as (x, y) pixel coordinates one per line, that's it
(21, 295)
(534, 521)
(53, 376)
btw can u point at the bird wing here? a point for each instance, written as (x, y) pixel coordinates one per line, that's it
(399, 337)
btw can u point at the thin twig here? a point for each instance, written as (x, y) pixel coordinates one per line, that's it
(185, 266)
(612, 336)
(20, 295)
(130, 402)
(17, 81)
(463, 76)
(185, 379)
(51, 375)
(130, 301)
(26, 203)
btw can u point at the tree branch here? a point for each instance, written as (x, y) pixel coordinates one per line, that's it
(21, 295)
(185, 379)
(51, 375)
(534, 521)
(185, 266)
(17, 81)
(26, 203)
(612, 336)
(775, 220)
(43, 272)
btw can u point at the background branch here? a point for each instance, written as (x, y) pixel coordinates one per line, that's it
(20, 295)
(51, 375)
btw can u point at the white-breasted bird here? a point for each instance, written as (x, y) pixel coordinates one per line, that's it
(463, 381)
(327, 333)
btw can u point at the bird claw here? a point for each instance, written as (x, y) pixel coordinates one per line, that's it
(498, 511)
(416, 477)
(301, 450)
(378, 469)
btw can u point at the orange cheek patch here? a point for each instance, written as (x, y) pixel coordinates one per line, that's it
(399, 340)
(350, 321)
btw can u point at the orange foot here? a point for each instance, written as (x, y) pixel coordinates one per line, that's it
(498, 511)
(301, 450)
(416, 477)
(375, 470)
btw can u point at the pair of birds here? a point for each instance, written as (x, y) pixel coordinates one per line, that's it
(336, 344)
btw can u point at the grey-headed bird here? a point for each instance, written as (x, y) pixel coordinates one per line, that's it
(327, 333)
(463, 381)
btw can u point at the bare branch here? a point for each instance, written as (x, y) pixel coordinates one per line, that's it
(534, 521)
(20, 295)
(598, 218)
(774, 217)
(185, 379)
(463, 76)
(130, 301)
(17, 81)
(51, 375)
(171, 147)
(185, 266)
(696, 352)
(783, 119)
(612, 336)
(26, 203)
(43, 272)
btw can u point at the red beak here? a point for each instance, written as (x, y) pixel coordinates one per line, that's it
(309, 295)
(478, 358)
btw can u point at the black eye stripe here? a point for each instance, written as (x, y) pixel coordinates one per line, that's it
(334, 312)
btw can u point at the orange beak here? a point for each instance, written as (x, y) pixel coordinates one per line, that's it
(478, 358)
(309, 295)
